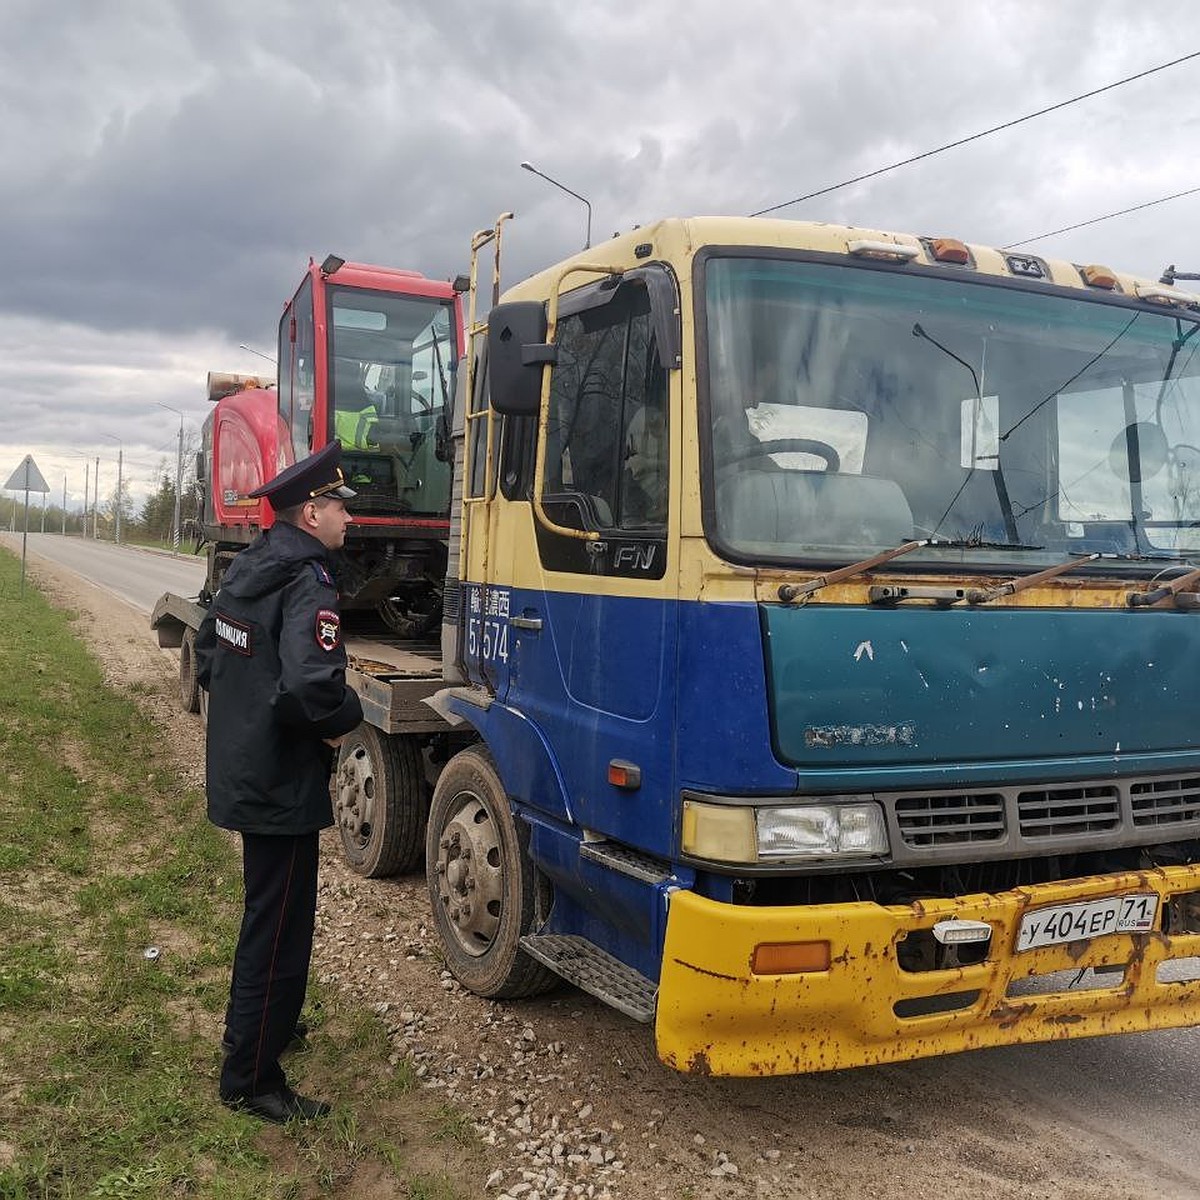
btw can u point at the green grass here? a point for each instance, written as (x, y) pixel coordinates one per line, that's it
(109, 1064)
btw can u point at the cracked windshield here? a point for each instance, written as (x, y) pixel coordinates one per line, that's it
(856, 409)
(392, 359)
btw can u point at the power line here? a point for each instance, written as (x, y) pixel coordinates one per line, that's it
(1041, 112)
(1097, 220)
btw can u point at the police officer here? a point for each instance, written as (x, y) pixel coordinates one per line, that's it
(269, 653)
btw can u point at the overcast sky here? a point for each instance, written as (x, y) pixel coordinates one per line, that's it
(167, 167)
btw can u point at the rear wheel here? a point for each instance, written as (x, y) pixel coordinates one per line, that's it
(481, 882)
(189, 688)
(381, 802)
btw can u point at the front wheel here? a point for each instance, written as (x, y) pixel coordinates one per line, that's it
(481, 881)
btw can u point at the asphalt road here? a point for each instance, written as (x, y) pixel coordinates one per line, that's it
(139, 577)
(1132, 1097)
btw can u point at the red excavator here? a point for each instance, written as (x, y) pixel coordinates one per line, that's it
(367, 355)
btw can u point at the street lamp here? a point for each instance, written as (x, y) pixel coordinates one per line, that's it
(178, 477)
(120, 479)
(528, 166)
(87, 488)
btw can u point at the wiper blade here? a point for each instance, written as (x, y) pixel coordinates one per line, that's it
(789, 592)
(1012, 586)
(1124, 556)
(973, 544)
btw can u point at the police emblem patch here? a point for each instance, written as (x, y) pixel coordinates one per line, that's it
(328, 629)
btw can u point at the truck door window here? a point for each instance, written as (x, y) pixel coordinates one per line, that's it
(607, 438)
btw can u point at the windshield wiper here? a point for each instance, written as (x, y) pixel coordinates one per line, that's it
(976, 544)
(1012, 586)
(789, 592)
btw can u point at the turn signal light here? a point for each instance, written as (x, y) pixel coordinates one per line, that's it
(789, 958)
(1096, 276)
(624, 774)
(950, 250)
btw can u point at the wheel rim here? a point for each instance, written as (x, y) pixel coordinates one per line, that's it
(356, 792)
(470, 874)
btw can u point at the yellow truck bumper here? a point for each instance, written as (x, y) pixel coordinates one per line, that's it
(716, 1015)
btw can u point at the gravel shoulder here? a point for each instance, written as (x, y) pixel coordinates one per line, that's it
(568, 1096)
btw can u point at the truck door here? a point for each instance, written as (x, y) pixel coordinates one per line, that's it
(592, 624)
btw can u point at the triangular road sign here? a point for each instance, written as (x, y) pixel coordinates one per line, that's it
(27, 478)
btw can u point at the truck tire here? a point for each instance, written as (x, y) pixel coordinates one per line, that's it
(481, 881)
(381, 802)
(189, 688)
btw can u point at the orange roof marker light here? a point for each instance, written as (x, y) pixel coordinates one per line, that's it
(1099, 277)
(950, 250)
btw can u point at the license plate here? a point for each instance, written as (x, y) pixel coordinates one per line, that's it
(1090, 919)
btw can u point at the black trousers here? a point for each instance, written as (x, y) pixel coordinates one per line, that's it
(270, 966)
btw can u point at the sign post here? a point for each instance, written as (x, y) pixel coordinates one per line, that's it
(26, 478)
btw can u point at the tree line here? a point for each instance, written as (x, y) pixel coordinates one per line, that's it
(152, 522)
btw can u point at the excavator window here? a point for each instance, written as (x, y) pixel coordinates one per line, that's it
(391, 363)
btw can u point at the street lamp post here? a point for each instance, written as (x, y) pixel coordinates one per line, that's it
(528, 166)
(87, 488)
(178, 478)
(120, 481)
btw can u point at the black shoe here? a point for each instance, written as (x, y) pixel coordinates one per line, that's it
(298, 1042)
(279, 1107)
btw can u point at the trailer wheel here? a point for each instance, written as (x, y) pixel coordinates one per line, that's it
(381, 802)
(189, 688)
(481, 881)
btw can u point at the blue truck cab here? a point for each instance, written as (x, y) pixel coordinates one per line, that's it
(824, 618)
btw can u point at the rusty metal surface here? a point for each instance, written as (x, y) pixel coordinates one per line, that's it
(715, 1017)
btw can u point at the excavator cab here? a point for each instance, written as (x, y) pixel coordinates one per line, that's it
(367, 355)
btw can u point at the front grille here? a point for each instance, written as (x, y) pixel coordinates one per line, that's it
(949, 820)
(1024, 821)
(1158, 802)
(1064, 811)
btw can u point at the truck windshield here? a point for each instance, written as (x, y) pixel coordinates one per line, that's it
(853, 409)
(390, 360)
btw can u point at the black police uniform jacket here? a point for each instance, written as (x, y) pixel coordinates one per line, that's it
(269, 652)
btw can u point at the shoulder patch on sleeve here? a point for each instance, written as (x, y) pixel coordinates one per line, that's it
(321, 572)
(233, 634)
(328, 629)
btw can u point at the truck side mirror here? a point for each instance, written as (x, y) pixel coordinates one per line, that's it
(517, 352)
(200, 466)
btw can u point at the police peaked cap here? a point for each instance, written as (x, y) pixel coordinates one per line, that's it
(317, 475)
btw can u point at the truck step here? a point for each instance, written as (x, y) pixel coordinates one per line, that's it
(627, 861)
(594, 970)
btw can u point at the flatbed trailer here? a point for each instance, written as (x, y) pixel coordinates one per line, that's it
(386, 768)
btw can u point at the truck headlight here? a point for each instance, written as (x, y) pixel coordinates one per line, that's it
(795, 832)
